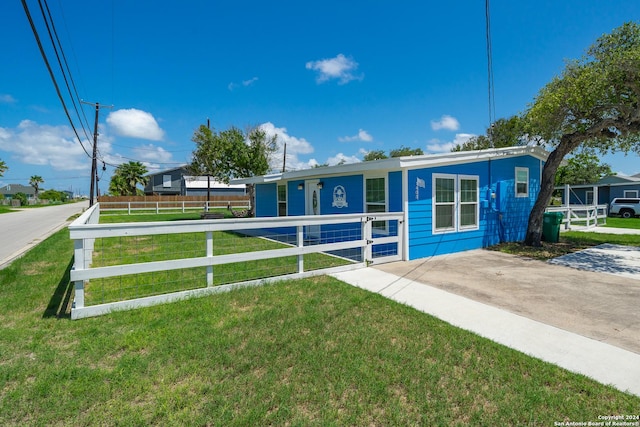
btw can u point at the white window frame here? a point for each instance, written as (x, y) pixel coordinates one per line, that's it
(475, 226)
(377, 226)
(285, 201)
(521, 169)
(630, 194)
(435, 204)
(457, 203)
(166, 181)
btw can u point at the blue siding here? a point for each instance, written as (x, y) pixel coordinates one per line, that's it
(618, 190)
(266, 200)
(501, 218)
(395, 192)
(295, 198)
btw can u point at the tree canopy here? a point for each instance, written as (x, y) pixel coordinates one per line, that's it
(3, 167)
(583, 167)
(503, 133)
(402, 151)
(126, 178)
(593, 103)
(231, 153)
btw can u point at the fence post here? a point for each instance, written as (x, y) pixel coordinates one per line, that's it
(128, 208)
(183, 206)
(366, 235)
(209, 238)
(78, 264)
(300, 240)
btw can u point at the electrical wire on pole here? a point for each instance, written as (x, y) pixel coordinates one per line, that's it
(94, 158)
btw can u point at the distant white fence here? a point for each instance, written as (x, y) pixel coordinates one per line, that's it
(353, 240)
(159, 207)
(581, 215)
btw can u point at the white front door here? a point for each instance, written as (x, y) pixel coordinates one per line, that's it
(312, 205)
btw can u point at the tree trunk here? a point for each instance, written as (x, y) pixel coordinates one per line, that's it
(534, 228)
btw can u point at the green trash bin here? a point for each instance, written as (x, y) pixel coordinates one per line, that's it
(551, 226)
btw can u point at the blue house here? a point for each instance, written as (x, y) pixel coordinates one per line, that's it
(451, 202)
(607, 189)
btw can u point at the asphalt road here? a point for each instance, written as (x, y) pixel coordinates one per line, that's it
(24, 229)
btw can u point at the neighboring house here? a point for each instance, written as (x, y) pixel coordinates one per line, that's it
(10, 190)
(179, 181)
(451, 202)
(608, 188)
(166, 183)
(197, 186)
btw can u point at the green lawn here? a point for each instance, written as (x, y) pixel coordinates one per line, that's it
(617, 222)
(306, 352)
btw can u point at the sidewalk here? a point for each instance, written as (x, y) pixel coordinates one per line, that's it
(602, 362)
(605, 230)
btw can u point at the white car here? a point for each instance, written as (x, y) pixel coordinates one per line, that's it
(626, 207)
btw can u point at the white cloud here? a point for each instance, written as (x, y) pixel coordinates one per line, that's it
(135, 124)
(244, 83)
(437, 146)
(295, 146)
(341, 158)
(446, 122)
(57, 146)
(152, 153)
(362, 135)
(340, 68)
(7, 99)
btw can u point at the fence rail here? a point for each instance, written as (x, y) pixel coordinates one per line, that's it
(130, 265)
(581, 215)
(132, 207)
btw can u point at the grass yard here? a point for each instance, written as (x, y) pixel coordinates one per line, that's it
(617, 222)
(140, 249)
(306, 352)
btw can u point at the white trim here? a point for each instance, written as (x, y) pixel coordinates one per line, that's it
(286, 198)
(635, 194)
(405, 209)
(397, 163)
(476, 226)
(515, 182)
(454, 219)
(586, 197)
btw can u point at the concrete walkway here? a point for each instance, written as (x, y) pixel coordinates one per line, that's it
(605, 230)
(602, 362)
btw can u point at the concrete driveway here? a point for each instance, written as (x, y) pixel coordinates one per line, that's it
(600, 306)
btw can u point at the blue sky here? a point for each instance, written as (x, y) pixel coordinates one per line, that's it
(333, 79)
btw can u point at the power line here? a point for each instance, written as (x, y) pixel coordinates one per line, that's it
(53, 78)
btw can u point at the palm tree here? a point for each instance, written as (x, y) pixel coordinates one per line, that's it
(35, 182)
(3, 167)
(126, 177)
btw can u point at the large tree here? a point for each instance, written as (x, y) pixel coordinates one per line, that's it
(127, 177)
(593, 103)
(3, 167)
(232, 153)
(35, 182)
(375, 155)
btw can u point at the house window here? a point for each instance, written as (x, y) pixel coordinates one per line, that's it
(630, 193)
(166, 181)
(445, 202)
(455, 203)
(282, 200)
(376, 200)
(522, 182)
(468, 202)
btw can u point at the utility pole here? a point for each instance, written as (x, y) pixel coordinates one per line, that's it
(94, 157)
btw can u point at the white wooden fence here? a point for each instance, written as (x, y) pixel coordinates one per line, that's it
(86, 230)
(158, 207)
(581, 215)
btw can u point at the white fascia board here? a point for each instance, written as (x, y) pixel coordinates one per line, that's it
(398, 163)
